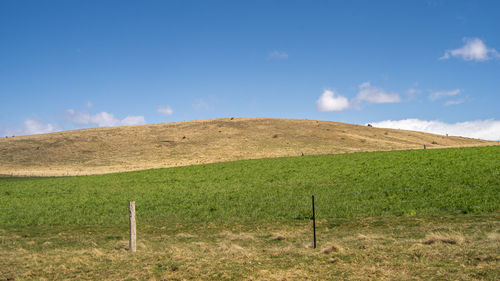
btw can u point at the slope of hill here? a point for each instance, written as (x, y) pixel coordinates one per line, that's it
(116, 149)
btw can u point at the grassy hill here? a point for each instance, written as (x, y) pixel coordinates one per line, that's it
(106, 150)
(389, 215)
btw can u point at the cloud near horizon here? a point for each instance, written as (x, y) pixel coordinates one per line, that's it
(167, 111)
(32, 127)
(479, 129)
(474, 49)
(102, 119)
(330, 101)
(372, 94)
(78, 119)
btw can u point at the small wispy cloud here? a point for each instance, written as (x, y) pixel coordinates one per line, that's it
(481, 129)
(454, 102)
(474, 49)
(329, 101)
(412, 92)
(167, 111)
(277, 55)
(372, 94)
(205, 104)
(435, 95)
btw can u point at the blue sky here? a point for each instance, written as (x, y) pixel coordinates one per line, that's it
(422, 65)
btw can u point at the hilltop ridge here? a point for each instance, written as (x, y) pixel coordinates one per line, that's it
(118, 149)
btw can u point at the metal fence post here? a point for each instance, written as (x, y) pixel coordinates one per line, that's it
(314, 222)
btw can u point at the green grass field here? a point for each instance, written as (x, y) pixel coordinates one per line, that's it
(418, 213)
(430, 182)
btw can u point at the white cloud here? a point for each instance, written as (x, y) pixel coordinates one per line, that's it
(133, 120)
(102, 119)
(474, 49)
(329, 101)
(77, 118)
(206, 104)
(481, 129)
(89, 104)
(412, 92)
(167, 111)
(442, 94)
(277, 55)
(372, 94)
(30, 127)
(454, 102)
(36, 127)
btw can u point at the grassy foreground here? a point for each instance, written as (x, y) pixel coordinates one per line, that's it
(464, 247)
(427, 214)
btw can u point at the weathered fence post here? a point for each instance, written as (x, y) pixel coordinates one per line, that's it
(133, 235)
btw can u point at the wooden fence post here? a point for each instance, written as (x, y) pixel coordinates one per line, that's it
(133, 235)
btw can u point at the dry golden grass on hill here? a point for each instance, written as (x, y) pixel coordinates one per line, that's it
(118, 149)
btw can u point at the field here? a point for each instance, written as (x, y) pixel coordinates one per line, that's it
(416, 214)
(119, 149)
